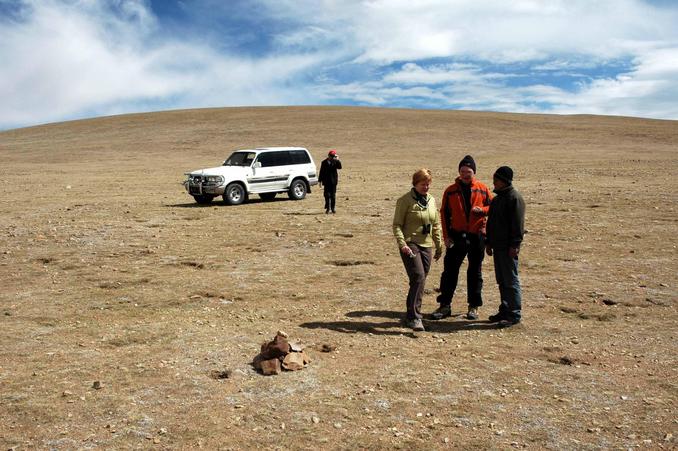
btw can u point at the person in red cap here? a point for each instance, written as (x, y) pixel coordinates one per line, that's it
(329, 179)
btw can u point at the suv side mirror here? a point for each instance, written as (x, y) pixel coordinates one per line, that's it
(257, 165)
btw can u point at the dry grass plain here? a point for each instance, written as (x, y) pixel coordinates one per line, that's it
(111, 273)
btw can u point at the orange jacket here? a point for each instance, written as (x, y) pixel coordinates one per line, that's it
(452, 211)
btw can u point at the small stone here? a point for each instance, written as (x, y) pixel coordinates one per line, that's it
(624, 398)
(668, 437)
(280, 333)
(97, 385)
(295, 346)
(162, 431)
(293, 361)
(271, 366)
(315, 420)
(338, 425)
(66, 393)
(156, 440)
(446, 440)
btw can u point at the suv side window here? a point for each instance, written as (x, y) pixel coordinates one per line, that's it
(280, 158)
(268, 159)
(299, 157)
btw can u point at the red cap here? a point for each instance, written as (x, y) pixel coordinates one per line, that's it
(332, 153)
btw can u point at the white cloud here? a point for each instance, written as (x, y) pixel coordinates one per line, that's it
(66, 60)
(70, 58)
(412, 73)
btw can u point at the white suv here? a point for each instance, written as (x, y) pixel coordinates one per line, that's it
(265, 171)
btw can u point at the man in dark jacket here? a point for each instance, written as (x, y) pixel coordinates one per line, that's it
(329, 178)
(505, 230)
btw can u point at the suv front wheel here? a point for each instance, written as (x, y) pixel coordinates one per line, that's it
(297, 190)
(234, 194)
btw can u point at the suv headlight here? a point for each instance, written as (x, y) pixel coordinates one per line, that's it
(216, 179)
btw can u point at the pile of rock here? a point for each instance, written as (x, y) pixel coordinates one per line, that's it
(279, 354)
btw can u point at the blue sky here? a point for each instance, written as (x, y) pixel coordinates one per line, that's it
(70, 59)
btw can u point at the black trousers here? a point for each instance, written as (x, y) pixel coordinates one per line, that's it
(473, 246)
(330, 192)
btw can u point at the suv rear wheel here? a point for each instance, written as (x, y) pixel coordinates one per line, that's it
(234, 194)
(297, 190)
(203, 199)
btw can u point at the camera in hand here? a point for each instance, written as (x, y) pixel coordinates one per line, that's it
(426, 229)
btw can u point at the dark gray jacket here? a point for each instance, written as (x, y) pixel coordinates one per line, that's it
(328, 172)
(506, 219)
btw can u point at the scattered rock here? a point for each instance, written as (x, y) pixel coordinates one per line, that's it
(270, 366)
(97, 385)
(327, 348)
(278, 347)
(221, 374)
(278, 354)
(294, 361)
(315, 420)
(296, 347)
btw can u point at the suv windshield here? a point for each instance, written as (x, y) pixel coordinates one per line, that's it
(240, 159)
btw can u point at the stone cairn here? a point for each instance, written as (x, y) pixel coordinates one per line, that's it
(279, 354)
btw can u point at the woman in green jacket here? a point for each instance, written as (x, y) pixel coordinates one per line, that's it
(416, 226)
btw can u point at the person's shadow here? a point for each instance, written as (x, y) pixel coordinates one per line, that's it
(393, 324)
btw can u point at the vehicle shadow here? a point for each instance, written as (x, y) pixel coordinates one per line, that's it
(221, 203)
(395, 327)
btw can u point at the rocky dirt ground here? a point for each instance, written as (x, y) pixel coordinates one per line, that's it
(129, 315)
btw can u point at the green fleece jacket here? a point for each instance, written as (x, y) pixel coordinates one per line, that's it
(409, 218)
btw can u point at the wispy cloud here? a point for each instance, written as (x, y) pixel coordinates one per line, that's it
(66, 59)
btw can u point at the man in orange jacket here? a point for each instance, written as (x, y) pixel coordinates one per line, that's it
(464, 208)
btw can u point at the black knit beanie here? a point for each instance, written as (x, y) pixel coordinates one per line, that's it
(468, 161)
(504, 173)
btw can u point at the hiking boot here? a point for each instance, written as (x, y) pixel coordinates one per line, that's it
(444, 311)
(472, 313)
(507, 323)
(496, 317)
(415, 324)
